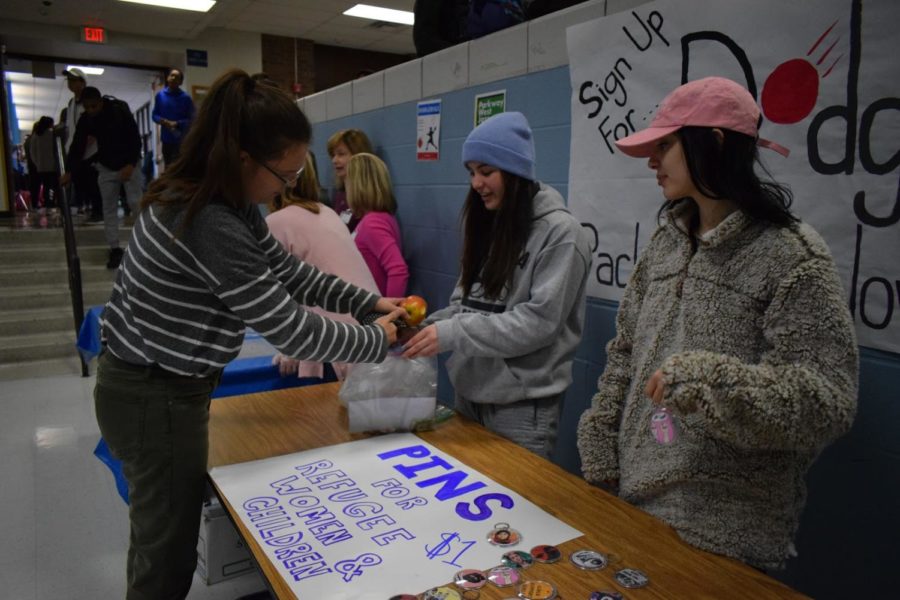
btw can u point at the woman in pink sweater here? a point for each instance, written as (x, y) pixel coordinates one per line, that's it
(377, 236)
(316, 235)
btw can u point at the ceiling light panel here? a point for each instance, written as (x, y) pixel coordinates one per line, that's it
(377, 13)
(195, 5)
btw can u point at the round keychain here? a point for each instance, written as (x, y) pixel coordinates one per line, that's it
(663, 426)
(502, 535)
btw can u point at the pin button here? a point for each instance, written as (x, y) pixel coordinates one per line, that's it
(537, 590)
(546, 553)
(632, 578)
(589, 560)
(470, 579)
(517, 559)
(503, 576)
(441, 593)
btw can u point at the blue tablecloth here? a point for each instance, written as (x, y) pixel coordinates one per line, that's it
(252, 371)
(88, 342)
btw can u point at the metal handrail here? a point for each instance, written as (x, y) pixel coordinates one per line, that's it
(72, 261)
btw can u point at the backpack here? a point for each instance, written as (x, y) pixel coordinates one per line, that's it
(120, 106)
(488, 16)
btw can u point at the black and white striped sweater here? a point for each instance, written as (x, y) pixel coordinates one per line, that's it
(181, 299)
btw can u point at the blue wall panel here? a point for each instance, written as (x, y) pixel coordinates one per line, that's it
(852, 523)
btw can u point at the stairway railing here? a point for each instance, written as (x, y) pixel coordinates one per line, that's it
(73, 263)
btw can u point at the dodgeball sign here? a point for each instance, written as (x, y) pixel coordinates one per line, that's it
(828, 86)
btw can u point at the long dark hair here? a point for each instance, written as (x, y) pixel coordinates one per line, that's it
(724, 168)
(237, 114)
(494, 240)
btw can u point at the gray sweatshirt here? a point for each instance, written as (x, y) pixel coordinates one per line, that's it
(759, 359)
(521, 346)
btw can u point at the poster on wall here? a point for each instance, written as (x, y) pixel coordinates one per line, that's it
(428, 130)
(377, 517)
(827, 81)
(489, 104)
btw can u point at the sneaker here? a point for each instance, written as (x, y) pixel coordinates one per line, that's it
(115, 258)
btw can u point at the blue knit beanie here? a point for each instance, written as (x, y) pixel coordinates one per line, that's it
(503, 141)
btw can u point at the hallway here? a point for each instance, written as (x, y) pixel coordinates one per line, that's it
(65, 527)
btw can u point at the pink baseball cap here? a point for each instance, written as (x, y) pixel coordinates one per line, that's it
(707, 102)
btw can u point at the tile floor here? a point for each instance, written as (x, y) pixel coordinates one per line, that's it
(64, 527)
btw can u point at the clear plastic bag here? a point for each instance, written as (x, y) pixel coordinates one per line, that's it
(395, 395)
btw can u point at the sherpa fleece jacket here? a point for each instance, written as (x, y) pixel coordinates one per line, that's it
(520, 346)
(760, 365)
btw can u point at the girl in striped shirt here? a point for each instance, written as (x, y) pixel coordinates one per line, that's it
(200, 266)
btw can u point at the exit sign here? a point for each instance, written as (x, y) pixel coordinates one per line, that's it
(93, 35)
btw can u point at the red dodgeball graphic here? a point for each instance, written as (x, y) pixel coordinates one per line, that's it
(791, 90)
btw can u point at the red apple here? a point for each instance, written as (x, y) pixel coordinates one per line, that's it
(416, 307)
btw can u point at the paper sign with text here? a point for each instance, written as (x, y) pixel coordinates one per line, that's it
(428, 130)
(489, 104)
(378, 517)
(827, 79)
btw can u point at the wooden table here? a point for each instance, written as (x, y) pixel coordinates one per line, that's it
(255, 426)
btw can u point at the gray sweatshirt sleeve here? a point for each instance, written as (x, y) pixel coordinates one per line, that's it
(802, 394)
(449, 310)
(527, 326)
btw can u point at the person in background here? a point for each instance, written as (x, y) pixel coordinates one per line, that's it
(173, 110)
(371, 198)
(488, 16)
(735, 360)
(538, 8)
(83, 175)
(42, 151)
(517, 313)
(201, 266)
(109, 121)
(439, 24)
(314, 234)
(341, 146)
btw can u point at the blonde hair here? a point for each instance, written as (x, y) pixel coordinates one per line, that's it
(305, 192)
(355, 140)
(369, 185)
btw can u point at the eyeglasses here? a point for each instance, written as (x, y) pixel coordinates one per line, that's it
(288, 182)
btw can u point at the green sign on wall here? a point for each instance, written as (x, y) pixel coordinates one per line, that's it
(489, 104)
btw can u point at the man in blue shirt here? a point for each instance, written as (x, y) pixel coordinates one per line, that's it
(173, 110)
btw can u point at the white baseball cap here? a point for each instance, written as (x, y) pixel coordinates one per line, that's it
(74, 73)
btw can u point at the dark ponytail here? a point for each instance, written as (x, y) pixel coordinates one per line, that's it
(237, 114)
(725, 168)
(494, 240)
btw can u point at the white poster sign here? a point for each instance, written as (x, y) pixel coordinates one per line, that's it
(377, 517)
(428, 130)
(827, 79)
